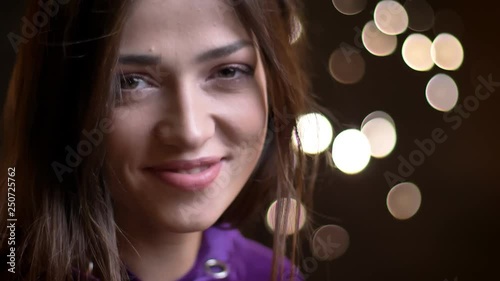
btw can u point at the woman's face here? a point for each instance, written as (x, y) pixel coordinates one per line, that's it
(193, 86)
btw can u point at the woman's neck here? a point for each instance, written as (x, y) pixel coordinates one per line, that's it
(158, 255)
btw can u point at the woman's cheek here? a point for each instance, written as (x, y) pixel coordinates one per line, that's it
(250, 127)
(127, 138)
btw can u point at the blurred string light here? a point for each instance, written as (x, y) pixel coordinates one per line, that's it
(377, 42)
(420, 14)
(291, 218)
(442, 92)
(346, 66)
(447, 52)
(416, 52)
(351, 151)
(315, 133)
(297, 29)
(349, 7)
(329, 242)
(391, 17)
(404, 200)
(379, 128)
(378, 114)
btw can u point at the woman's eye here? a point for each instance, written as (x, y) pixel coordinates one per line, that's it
(233, 72)
(134, 88)
(133, 82)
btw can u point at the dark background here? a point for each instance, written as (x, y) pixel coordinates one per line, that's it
(455, 235)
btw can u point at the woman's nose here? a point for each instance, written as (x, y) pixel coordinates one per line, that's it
(187, 121)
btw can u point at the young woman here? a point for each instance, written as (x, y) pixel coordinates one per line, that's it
(139, 136)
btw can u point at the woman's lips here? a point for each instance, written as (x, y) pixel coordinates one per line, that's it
(197, 180)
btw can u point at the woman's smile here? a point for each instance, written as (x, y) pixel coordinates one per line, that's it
(189, 175)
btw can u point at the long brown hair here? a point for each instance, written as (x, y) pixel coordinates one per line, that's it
(60, 91)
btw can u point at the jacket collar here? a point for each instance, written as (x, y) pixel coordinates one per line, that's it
(216, 244)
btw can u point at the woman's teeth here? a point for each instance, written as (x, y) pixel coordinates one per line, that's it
(192, 171)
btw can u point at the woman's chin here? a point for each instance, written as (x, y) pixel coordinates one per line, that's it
(191, 224)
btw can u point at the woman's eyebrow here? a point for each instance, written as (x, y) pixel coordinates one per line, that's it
(137, 59)
(224, 51)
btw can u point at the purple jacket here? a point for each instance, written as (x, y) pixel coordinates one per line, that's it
(225, 254)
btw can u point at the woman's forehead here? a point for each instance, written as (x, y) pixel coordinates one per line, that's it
(185, 23)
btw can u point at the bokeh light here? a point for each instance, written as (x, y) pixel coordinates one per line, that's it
(347, 66)
(391, 17)
(377, 42)
(420, 14)
(296, 29)
(447, 52)
(315, 133)
(381, 134)
(349, 7)
(442, 92)
(416, 52)
(404, 200)
(292, 216)
(378, 114)
(329, 242)
(351, 151)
